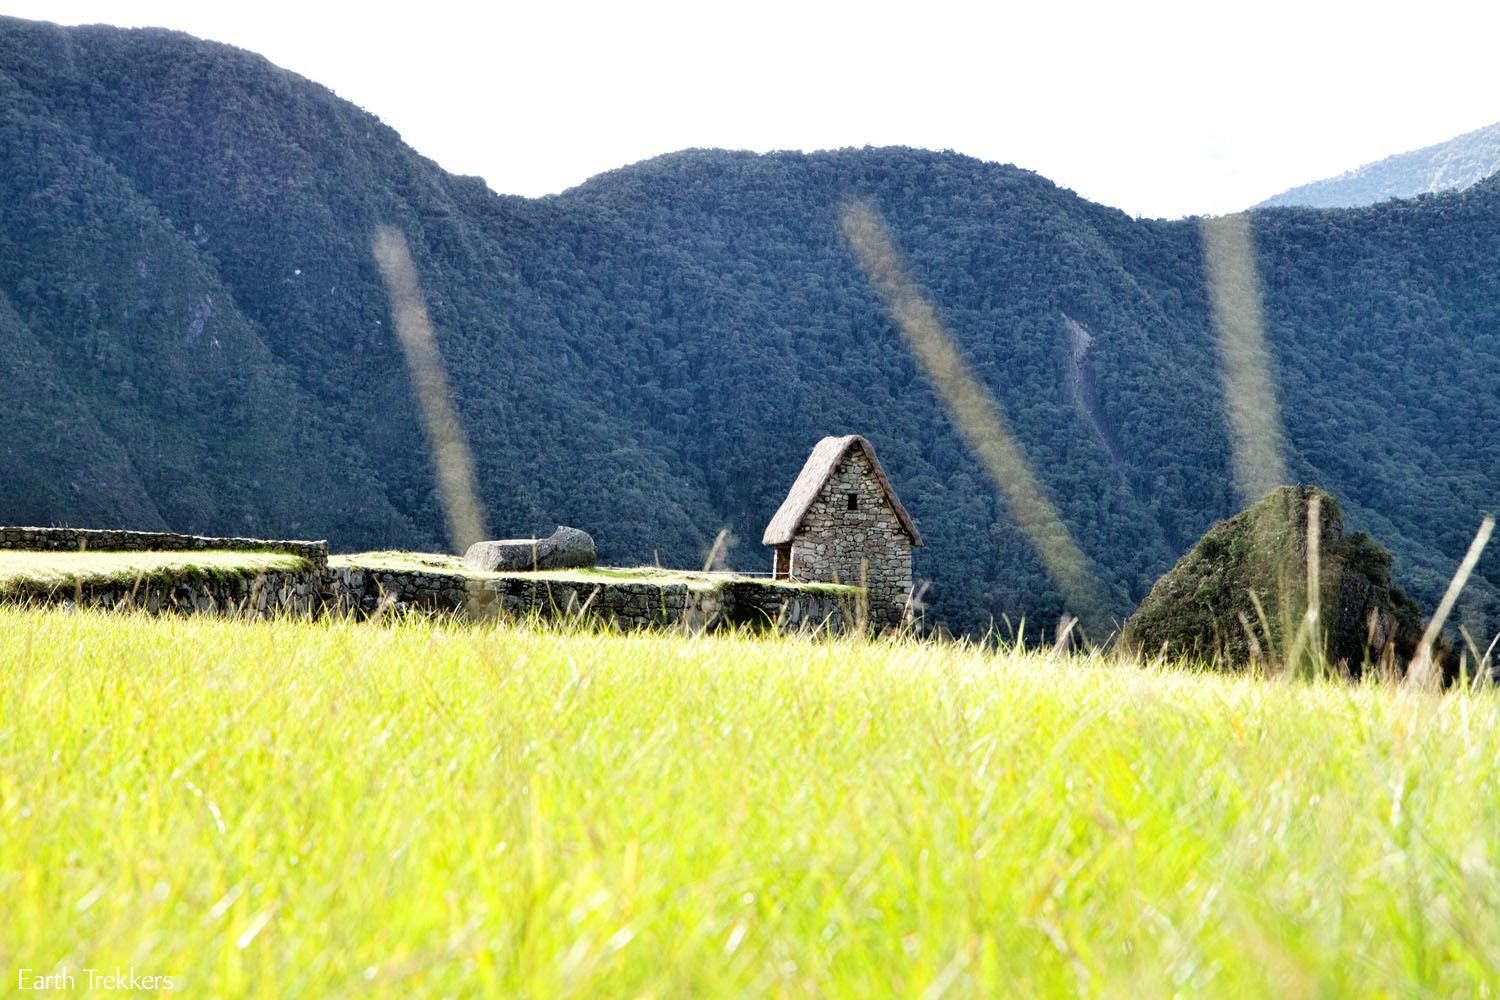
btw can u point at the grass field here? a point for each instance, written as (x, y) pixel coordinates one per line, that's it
(64, 569)
(337, 809)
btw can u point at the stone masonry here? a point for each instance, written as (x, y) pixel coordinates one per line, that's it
(864, 545)
(626, 605)
(301, 593)
(360, 592)
(365, 593)
(110, 540)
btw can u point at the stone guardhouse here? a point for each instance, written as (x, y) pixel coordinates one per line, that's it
(843, 523)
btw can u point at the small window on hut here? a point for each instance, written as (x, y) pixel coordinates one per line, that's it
(854, 501)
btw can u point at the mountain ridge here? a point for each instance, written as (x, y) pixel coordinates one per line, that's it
(649, 354)
(1451, 165)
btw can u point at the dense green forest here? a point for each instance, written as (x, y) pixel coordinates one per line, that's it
(194, 334)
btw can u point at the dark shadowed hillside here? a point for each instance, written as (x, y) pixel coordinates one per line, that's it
(193, 333)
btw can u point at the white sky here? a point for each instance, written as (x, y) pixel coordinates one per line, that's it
(1161, 109)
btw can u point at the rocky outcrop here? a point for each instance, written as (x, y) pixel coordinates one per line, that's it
(565, 548)
(1080, 379)
(1241, 593)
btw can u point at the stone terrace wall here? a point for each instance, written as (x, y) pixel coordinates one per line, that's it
(259, 595)
(109, 540)
(361, 592)
(626, 605)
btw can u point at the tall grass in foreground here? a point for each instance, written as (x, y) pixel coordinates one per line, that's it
(293, 809)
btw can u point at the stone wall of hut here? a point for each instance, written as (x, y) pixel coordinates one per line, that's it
(866, 545)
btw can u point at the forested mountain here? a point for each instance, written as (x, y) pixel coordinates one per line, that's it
(193, 333)
(1459, 163)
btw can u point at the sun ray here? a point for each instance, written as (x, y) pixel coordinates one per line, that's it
(452, 460)
(975, 412)
(1244, 359)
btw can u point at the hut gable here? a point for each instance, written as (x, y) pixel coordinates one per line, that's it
(829, 457)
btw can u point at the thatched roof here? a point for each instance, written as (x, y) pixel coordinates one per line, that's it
(825, 458)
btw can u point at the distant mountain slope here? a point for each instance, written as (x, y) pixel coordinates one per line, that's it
(193, 333)
(1448, 166)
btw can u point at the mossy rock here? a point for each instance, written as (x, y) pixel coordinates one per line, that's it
(1241, 594)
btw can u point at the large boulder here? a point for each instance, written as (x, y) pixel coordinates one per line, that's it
(565, 548)
(1203, 607)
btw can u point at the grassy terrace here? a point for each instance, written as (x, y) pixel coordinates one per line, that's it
(428, 809)
(427, 562)
(32, 570)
